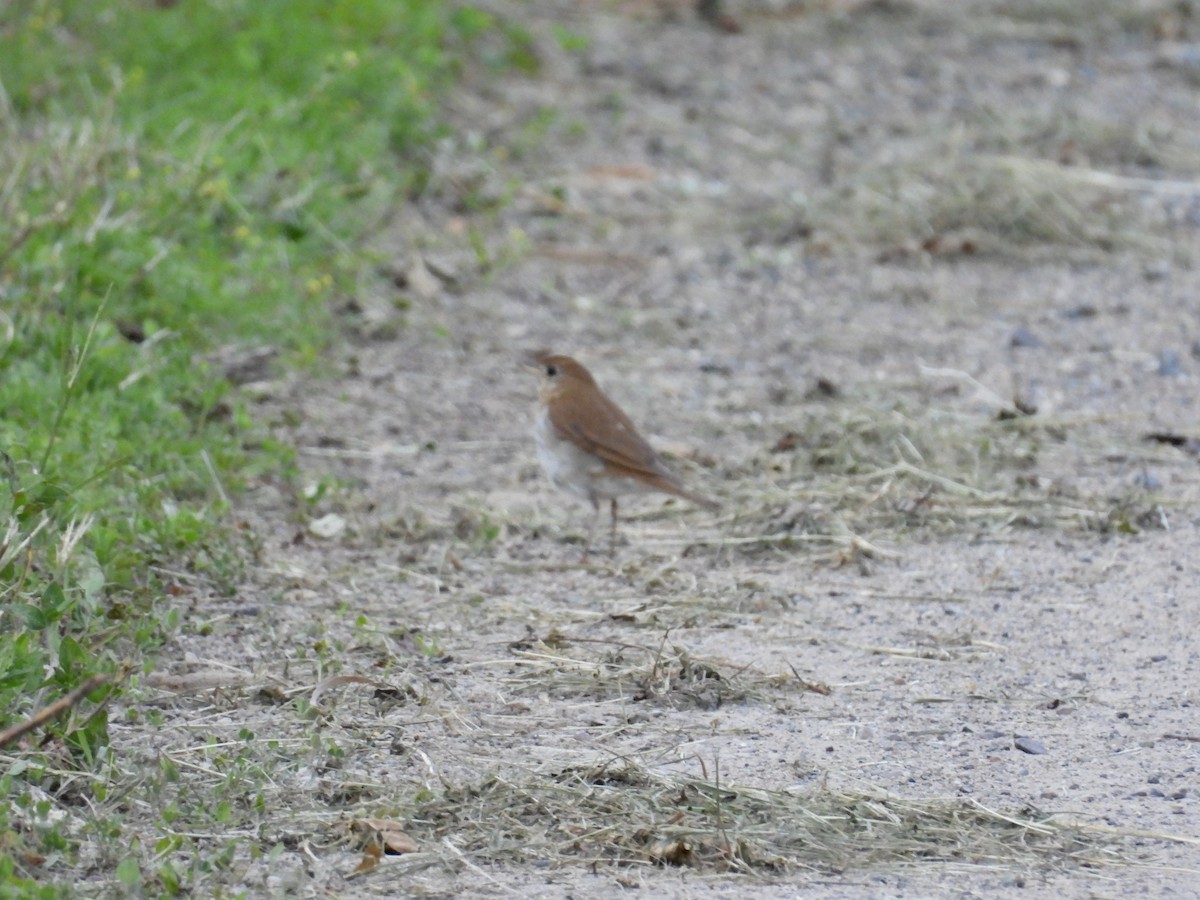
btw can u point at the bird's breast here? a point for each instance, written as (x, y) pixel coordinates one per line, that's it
(569, 467)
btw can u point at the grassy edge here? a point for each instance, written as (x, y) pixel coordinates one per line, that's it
(153, 220)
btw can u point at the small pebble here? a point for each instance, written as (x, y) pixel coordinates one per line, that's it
(1147, 480)
(1156, 271)
(1082, 311)
(1023, 337)
(1029, 745)
(1168, 364)
(328, 526)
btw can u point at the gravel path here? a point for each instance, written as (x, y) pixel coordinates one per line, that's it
(732, 231)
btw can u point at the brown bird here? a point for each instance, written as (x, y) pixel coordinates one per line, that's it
(591, 449)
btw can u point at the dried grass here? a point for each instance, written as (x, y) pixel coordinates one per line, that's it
(1003, 205)
(623, 814)
(667, 674)
(858, 479)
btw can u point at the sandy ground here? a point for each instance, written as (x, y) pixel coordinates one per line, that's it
(664, 205)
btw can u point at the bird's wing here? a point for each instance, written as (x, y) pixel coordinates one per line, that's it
(615, 439)
(612, 437)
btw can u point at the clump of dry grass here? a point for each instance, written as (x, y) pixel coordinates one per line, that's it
(1088, 143)
(857, 479)
(666, 674)
(1005, 205)
(626, 815)
(1085, 18)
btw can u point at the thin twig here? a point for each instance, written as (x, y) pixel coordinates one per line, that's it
(72, 699)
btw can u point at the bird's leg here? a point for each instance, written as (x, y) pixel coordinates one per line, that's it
(587, 546)
(612, 537)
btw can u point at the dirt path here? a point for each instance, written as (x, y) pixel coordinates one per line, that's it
(822, 256)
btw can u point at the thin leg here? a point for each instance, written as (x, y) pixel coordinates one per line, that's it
(587, 546)
(612, 537)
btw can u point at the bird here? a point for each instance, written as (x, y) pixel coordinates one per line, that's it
(589, 447)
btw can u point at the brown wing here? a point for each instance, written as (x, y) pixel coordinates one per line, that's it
(611, 436)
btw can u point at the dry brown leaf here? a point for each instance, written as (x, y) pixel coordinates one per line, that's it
(371, 855)
(398, 842)
(386, 834)
(337, 681)
(202, 680)
(632, 172)
(671, 853)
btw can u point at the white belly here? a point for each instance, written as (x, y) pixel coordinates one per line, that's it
(569, 468)
(576, 471)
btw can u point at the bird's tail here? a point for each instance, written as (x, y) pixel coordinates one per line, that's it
(673, 487)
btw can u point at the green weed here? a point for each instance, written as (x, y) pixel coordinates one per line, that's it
(174, 179)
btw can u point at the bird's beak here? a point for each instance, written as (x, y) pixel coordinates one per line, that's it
(532, 360)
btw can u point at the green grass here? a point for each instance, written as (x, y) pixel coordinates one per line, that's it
(174, 178)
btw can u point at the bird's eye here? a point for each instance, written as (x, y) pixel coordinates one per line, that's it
(551, 371)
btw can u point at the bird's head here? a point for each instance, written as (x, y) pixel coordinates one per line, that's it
(557, 374)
